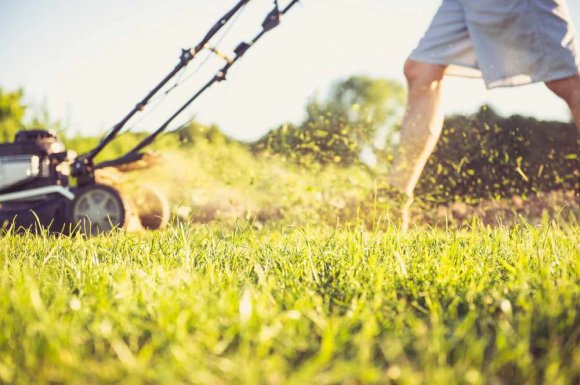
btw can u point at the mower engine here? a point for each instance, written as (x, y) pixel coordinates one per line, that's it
(34, 180)
(35, 159)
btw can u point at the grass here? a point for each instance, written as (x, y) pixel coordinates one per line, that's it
(320, 305)
(267, 302)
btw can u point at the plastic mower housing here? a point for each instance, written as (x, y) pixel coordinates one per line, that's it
(36, 191)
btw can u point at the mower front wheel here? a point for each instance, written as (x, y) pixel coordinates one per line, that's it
(97, 209)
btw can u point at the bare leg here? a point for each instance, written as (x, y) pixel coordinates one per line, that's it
(569, 90)
(421, 126)
(420, 129)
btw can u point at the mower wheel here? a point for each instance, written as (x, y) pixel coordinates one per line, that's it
(152, 207)
(97, 209)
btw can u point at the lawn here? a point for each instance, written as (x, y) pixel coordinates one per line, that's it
(206, 304)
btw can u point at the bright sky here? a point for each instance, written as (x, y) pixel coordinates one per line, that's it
(88, 62)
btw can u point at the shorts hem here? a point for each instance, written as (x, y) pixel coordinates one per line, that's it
(514, 82)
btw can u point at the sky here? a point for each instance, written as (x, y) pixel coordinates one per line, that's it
(88, 62)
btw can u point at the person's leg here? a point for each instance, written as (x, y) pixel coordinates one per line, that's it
(569, 90)
(420, 130)
(421, 126)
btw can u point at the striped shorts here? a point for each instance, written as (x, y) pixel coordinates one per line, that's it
(506, 42)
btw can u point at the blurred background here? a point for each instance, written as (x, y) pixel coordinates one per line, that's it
(306, 124)
(87, 62)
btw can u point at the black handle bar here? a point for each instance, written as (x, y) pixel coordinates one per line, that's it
(271, 21)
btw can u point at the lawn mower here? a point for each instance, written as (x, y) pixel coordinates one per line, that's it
(43, 185)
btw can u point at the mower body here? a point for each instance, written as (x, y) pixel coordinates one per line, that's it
(39, 191)
(34, 181)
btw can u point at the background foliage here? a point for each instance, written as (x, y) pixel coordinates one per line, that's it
(486, 156)
(12, 113)
(481, 156)
(357, 112)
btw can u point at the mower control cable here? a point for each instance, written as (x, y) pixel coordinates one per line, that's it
(187, 55)
(271, 21)
(181, 79)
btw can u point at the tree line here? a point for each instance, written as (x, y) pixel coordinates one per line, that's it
(479, 156)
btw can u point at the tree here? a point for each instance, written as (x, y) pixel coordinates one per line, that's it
(12, 112)
(195, 131)
(368, 105)
(357, 111)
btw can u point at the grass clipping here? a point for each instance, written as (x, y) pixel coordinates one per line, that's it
(226, 183)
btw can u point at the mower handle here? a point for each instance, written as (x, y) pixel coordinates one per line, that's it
(272, 21)
(187, 55)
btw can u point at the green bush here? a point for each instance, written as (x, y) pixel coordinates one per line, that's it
(487, 156)
(12, 112)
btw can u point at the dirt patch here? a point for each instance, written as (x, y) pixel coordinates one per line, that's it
(533, 209)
